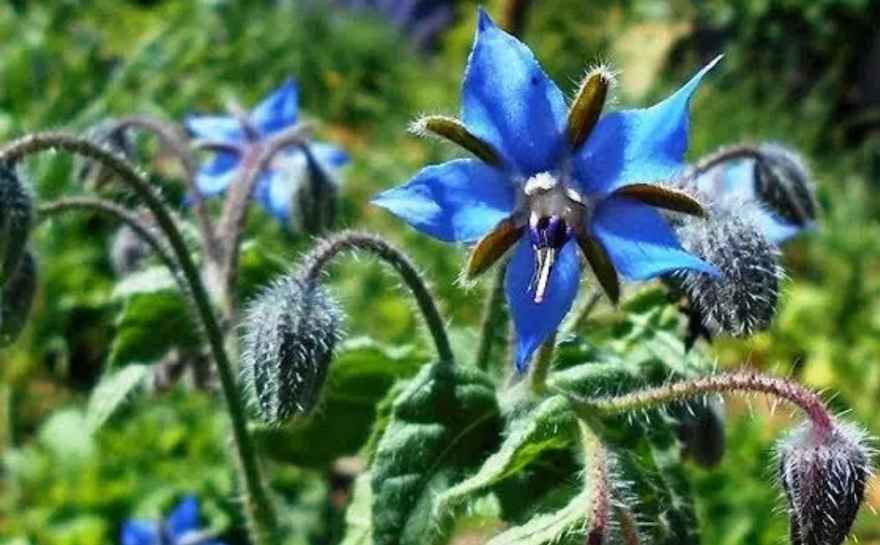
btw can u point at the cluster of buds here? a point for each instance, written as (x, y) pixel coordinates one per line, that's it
(18, 268)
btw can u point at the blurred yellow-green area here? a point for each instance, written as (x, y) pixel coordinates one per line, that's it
(802, 72)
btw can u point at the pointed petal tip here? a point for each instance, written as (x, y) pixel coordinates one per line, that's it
(484, 21)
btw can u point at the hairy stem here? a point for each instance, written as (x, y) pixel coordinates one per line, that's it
(727, 153)
(541, 366)
(738, 381)
(320, 256)
(173, 141)
(587, 310)
(598, 475)
(235, 208)
(495, 317)
(110, 208)
(258, 506)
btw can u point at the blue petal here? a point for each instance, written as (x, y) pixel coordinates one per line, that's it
(278, 110)
(510, 102)
(457, 201)
(639, 242)
(185, 517)
(534, 322)
(275, 193)
(632, 146)
(216, 175)
(329, 156)
(215, 127)
(139, 532)
(776, 230)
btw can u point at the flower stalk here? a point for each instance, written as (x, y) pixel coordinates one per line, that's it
(318, 259)
(495, 318)
(258, 507)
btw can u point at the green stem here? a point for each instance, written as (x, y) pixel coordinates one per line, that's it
(587, 310)
(258, 507)
(315, 262)
(598, 475)
(494, 319)
(727, 153)
(737, 381)
(94, 204)
(541, 366)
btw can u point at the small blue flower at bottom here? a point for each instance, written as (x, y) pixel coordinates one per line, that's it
(242, 135)
(550, 175)
(181, 528)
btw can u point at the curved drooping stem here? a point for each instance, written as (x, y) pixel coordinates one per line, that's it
(235, 208)
(315, 262)
(258, 507)
(727, 153)
(171, 139)
(110, 208)
(737, 381)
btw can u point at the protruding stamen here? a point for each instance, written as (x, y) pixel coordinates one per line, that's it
(548, 235)
(454, 130)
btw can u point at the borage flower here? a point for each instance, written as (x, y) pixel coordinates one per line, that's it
(548, 176)
(238, 139)
(181, 527)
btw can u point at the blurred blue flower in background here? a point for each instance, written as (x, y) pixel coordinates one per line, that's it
(237, 139)
(181, 527)
(777, 179)
(548, 176)
(421, 20)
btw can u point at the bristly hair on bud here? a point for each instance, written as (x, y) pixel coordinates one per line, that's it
(743, 299)
(16, 217)
(783, 184)
(16, 299)
(823, 473)
(290, 331)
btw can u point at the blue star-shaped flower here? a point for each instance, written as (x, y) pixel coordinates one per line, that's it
(738, 180)
(243, 135)
(549, 175)
(182, 527)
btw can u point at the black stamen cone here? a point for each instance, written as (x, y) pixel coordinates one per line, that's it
(16, 216)
(290, 332)
(16, 299)
(823, 474)
(743, 299)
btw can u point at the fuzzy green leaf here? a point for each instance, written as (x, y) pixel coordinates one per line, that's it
(149, 325)
(358, 527)
(442, 424)
(550, 426)
(114, 389)
(559, 527)
(359, 377)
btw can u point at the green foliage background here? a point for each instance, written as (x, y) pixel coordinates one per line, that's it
(798, 71)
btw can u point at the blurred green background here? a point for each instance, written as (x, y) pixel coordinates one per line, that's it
(804, 72)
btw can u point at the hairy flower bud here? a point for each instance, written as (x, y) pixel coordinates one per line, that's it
(743, 299)
(16, 216)
(16, 299)
(290, 332)
(782, 184)
(117, 138)
(823, 473)
(128, 251)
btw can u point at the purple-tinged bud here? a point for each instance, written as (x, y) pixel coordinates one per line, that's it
(743, 299)
(290, 331)
(16, 299)
(783, 184)
(16, 216)
(823, 473)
